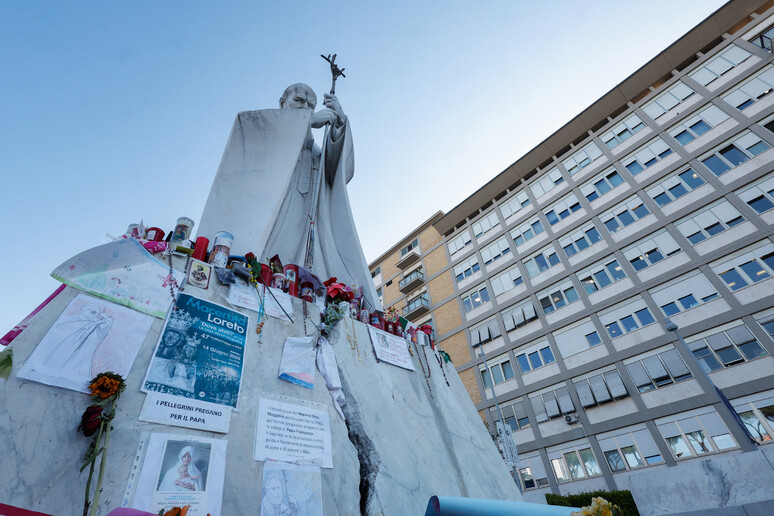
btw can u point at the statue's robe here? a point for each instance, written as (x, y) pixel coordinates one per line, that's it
(273, 179)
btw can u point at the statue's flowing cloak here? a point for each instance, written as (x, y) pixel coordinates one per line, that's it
(264, 194)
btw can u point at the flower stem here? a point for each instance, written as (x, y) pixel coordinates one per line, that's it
(91, 469)
(103, 460)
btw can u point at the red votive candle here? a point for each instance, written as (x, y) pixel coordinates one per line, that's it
(200, 249)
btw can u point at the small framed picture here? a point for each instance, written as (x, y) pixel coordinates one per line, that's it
(199, 275)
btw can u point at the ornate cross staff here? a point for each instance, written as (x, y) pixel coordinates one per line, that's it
(335, 71)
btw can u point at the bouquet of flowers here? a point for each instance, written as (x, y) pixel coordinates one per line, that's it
(338, 292)
(105, 390)
(599, 507)
(392, 314)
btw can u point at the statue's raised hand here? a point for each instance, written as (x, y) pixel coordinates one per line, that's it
(331, 102)
(323, 117)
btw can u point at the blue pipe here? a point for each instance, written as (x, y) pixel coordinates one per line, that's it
(458, 506)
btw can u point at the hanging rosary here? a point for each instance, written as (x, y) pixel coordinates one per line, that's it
(426, 375)
(354, 347)
(441, 363)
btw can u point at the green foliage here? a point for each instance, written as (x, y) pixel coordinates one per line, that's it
(622, 499)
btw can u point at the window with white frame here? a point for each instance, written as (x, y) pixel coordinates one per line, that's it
(507, 280)
(758, 417)
(695, 435)
(546, 182)
(541, 262)
(623, 131)
(575, 465)
(377, 271)
(527, 232)
(626, 318)
(500, 371)
(601, 184)
(534, 356)
(675, 186)
(551, 403)
(734, 152)
(568, 339)
(459, 242)
(624, 214)
(721, 64)
(767, 323)
(651, 250)
(413, 245)
(484, 224)
(646, 156)
(562, 209)
(514, 204)
(602, 274)
(752, 90)
(532, 473)
(657, 368)
(690, 129)
(515, 416)
(484, 332)
(600, 387)
(558, 296)
(580, 240)
(466, 268)
(479, 296)
(748, 266)
(716, 218)
(583, 158)
(760, 195)
(725, 346)
(684, 293)
(495, 251)
(667, 101)
(629, 448)
(519, 315)
(764, 39)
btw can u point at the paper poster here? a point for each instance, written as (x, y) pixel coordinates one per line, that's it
(274, 304)
(391, 349)
(91, 336)
(292, 490)
(186, 412)
(124, 272)
(182, 470)
(298, 433)
(200, 353)
(244, 296)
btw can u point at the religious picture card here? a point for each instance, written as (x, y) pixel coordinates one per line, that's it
(199, 275)
(91, 336)
(200, 353)
(290, 489)
(182, 470)
(391, 348)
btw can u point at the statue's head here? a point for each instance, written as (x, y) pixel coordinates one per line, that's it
(298, 96)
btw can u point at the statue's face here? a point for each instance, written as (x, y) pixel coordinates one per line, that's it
(300, 98)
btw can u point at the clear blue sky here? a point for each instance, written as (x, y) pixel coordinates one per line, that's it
(112, 112)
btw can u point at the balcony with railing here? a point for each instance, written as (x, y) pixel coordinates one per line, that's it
(411, 281)
(418, 306)
(409, 255)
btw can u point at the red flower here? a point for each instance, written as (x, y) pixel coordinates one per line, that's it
(249, 257)
(330, 281)
(91, 419)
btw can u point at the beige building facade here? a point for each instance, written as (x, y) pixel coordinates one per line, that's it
(655, 202)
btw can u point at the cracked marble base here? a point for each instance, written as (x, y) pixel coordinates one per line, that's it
(428, 442)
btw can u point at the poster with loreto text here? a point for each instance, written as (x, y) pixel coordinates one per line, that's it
(200, 353)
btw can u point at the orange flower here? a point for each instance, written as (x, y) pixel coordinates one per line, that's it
(104, 387)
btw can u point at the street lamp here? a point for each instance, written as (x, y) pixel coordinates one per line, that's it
(672, 327)
(502, 420)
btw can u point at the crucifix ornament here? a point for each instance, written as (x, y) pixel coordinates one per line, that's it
(335, 71)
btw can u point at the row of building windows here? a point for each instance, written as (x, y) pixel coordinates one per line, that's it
(714, 349)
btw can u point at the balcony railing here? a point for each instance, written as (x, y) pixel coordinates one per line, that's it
(408, 258)
(412, 281)
(416, 307)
